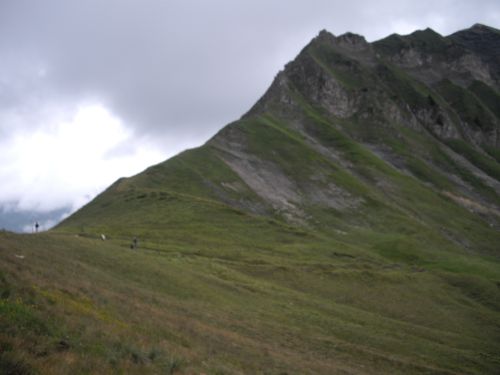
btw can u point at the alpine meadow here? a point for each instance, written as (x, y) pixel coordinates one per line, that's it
(348, 223)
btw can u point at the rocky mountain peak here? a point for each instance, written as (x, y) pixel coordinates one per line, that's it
(477, 34)
(348, 41)
(427, 32)
(353, 42)
(484, 42)
(347, 76)
(480, 28)
(324, 36)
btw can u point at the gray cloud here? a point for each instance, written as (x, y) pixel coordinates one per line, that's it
(182, 67)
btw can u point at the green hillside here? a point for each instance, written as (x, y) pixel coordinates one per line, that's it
(348, 223)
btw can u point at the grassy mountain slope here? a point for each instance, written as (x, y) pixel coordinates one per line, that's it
(281, 301)
(348, 223)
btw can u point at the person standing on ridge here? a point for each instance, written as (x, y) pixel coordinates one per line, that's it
(36, 226)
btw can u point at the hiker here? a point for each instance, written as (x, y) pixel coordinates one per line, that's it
(134, 243)
(36, 226)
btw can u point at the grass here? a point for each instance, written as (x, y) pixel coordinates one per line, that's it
(213, 288)
(493, 152)
(403, 88)
(487, 95)
(470, 109)
(193, 307)
(480, 160)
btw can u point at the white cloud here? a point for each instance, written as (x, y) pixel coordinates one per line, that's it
(67, 162)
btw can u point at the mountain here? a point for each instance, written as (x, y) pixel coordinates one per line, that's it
(349, 135)
(349, 222)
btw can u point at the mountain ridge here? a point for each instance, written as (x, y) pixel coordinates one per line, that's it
(347, 223)
(344, 81)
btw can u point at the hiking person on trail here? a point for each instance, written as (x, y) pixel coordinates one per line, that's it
(36, 226)
(134, 242)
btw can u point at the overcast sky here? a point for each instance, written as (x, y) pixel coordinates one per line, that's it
(97, 89)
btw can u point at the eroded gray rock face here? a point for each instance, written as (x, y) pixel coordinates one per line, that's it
(463, 57)
(461, 67)
(284, 195)
(320, 191)
(411, 58)
(314, 82)
(462, 70)
(333, 97)
(362, 84)
(483, 42)
(265, 178)
(280, 192)
(470, 65)
(352, 42)
(276, 98)
(438, 122)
